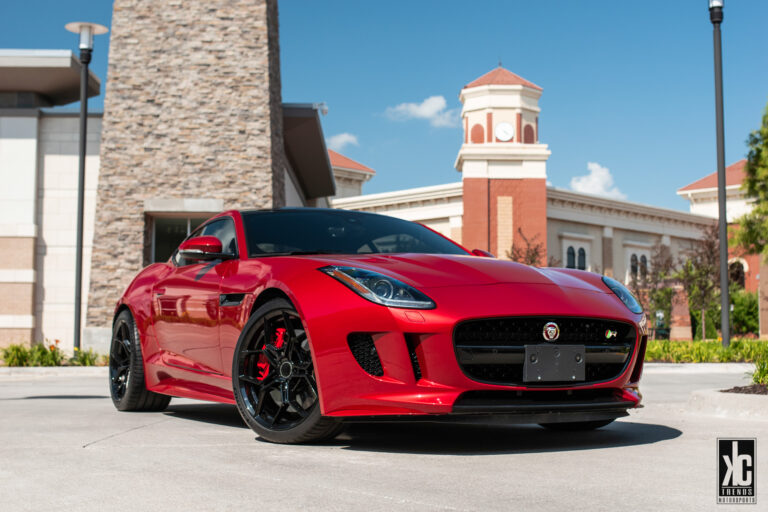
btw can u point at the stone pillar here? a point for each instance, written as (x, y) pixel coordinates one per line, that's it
(680, 321)
(192, 111)
(608, 251)
(762, 298)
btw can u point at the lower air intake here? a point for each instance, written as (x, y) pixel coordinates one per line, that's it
(364, 350)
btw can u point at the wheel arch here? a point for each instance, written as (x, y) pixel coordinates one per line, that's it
(265, 296)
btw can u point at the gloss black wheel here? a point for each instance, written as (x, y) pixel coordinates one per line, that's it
(274, 380)
(126, 369)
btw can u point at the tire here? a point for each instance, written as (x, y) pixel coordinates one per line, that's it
(273, 378)
(577, 425)
(126, 369)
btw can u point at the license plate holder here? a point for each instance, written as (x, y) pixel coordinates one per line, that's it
(554, 363)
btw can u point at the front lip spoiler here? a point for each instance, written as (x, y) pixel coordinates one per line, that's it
(500, 418)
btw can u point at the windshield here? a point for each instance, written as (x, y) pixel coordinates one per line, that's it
(310, 231)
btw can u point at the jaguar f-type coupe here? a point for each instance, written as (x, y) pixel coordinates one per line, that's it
(307, 319)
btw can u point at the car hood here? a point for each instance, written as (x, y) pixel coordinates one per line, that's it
(441, 270)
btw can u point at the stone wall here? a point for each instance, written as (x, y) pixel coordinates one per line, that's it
(192, 110)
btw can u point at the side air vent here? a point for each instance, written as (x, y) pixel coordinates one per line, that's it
(364, 350)
(412, 340)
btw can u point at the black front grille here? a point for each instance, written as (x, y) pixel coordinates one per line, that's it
(364, 350)
(493, 350)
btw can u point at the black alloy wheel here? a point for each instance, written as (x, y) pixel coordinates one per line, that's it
(126, 369)
(274, 380)
(120, 360)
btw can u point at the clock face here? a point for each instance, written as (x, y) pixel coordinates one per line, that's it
(504, 132)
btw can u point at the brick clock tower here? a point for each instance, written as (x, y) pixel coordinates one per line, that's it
(503, 165)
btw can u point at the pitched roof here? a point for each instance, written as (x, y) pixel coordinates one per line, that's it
(501, 76)
(734, 175)
(339, 160)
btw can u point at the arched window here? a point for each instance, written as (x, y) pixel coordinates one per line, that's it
(643, 267)
(582, 259)
(528, 137)
(570, 258)
(736, 273)
(477, 135)
(633, 266)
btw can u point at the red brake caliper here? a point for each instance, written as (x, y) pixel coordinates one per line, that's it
(262, 364)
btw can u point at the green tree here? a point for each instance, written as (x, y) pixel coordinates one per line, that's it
(752, 234)
(661, 278)
(699, 274)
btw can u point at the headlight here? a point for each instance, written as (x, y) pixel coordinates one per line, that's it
(379, 288)
(625, 295)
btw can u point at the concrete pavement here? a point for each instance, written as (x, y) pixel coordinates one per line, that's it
(63, 446)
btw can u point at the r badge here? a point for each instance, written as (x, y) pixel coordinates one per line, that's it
(551, 331)
(610, 334)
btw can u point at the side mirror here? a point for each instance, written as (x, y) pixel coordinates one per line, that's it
(202, 248)
(482, 253)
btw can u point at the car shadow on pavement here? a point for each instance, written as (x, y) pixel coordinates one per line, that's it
(217, 414)
(453, 439)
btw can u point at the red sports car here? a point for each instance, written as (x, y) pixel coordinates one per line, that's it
(309, 318)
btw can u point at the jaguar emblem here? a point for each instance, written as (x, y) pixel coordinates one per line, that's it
(551, 331)
(610, 334)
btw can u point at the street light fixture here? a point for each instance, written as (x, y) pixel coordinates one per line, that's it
(716, 17)
(86, 32)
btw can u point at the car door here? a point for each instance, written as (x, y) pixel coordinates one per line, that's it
(187, 304)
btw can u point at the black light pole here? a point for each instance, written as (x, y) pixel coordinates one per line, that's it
(86, 32)
(716, 17)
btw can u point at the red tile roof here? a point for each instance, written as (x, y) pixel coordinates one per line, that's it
(501, 76)
(339, 160)
(734, 175)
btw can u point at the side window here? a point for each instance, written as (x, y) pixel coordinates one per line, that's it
(224, 230)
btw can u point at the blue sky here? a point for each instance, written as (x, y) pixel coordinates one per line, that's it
(628, 86)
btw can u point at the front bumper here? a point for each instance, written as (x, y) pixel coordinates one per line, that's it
(420, 375)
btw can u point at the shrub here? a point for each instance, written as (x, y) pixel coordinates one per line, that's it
(760, 376)
(705, 351)
(16, 355)
(84, 358)
(745, 315)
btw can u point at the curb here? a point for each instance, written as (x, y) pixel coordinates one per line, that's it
(689, 368)
(54, 371)
(732, 405)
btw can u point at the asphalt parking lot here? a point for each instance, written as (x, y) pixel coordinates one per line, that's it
(64, 447)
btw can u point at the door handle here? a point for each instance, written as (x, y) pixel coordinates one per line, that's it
(159, 291)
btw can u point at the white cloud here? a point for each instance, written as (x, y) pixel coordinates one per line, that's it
(341, 140)
(599, 182)
(432, 109)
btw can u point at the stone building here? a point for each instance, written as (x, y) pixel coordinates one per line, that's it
(38, 170)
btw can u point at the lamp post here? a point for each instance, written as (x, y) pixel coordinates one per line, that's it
(86, 31)
(716, 17)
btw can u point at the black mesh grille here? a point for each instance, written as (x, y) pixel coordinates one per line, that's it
(364, 350)
(492, 350)
(412, 340)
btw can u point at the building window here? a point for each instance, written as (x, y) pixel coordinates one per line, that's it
(643, 267)
(570, 258)
(736, 273)
(582, 259)
(633, 266)
(168, 233)
(528, 137)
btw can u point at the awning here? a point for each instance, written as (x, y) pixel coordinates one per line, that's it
(306, 151)
(52, 74)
